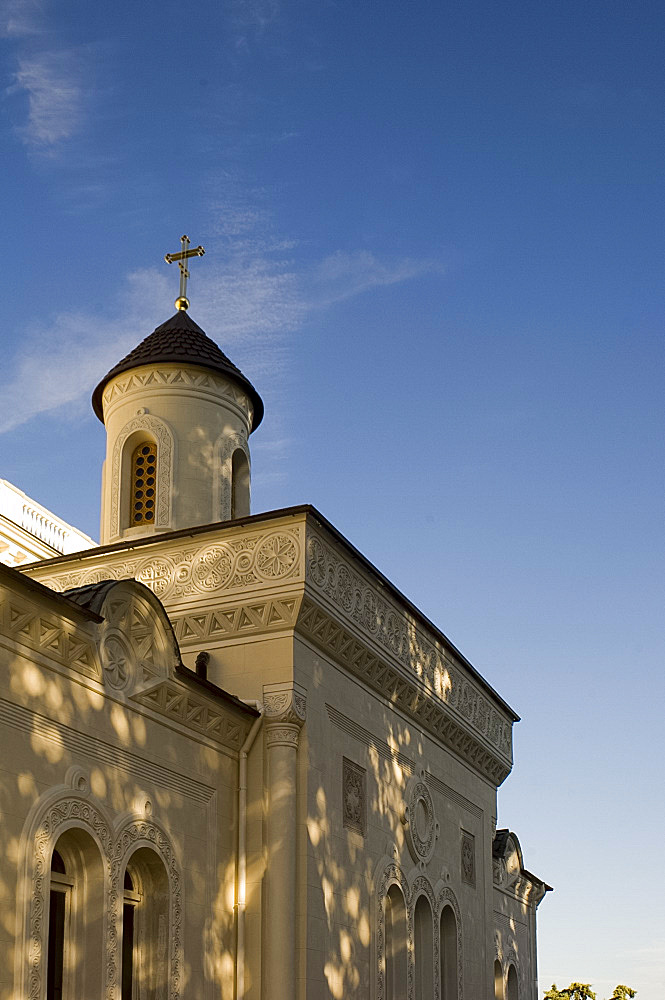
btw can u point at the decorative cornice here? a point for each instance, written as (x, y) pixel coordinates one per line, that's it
(403, 691)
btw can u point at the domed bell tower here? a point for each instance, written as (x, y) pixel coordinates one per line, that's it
(178, 415)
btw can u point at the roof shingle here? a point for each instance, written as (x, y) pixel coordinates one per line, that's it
(181, 341)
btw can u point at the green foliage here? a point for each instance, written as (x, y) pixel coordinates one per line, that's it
(583, 991)
(576, 991)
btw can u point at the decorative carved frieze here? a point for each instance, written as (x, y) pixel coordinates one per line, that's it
(237, 619)
(138, 379)
(47, 633)
(397, 637)
(196, 570)
(176, 702)
(404, 692)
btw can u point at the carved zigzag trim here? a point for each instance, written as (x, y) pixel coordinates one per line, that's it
(174, 702)
(222, 623)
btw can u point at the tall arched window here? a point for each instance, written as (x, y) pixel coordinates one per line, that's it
(145, 927)
(75, 952)
(448, 954)
(424, 950)
(498, 981)
(396, 977)
(239, 484)
(143, 484)
(512, 992)
(58, 916)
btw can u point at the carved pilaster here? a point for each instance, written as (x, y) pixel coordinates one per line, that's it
(284, 712)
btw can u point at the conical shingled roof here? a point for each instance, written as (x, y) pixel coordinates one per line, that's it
(181, 341)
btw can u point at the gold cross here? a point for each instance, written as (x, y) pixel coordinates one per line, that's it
(182, 302)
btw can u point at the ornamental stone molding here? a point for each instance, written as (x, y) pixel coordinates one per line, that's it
(74, 808)
(61, 640)
(284, 703)
(420, 823)
(399, 638)
(284, 711)
(161, 432)
(468, 858)
(197, 570)
(175, 377)
(405, 692)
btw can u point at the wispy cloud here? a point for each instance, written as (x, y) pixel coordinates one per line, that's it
(20, 18)
(251, 305)
(51, 81)
(344, 275)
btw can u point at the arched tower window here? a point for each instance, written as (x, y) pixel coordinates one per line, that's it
(239, 484)
(512, 992)
(448, 954)
(145, 927)
(498, 981)
(424, 950)
(396, 977)
(143, 488)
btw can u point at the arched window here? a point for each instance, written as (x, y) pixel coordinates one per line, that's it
(424, 950)
(143, 484)
(58, 914)
(498, 981)
(145, 927)
(239, 484)
(512, 992)
(396, 977)
(448, 954)
(74, 954)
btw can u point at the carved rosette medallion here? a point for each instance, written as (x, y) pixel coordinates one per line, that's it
(420, 823)
(117, 660)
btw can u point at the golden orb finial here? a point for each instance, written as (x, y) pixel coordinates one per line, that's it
(182, 303)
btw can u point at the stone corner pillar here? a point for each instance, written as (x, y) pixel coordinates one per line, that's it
(285, 707)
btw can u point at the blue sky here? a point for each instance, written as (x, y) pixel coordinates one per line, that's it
(435, 243)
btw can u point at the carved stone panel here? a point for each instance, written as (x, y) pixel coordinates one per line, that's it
(354, 796)
(468, 858)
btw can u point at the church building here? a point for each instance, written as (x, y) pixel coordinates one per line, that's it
(238, 764)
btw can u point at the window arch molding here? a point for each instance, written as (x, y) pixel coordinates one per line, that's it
(446, 898)
(225, 447)
(392, 875)
(132, 834)
(54, 814)
(142, 426)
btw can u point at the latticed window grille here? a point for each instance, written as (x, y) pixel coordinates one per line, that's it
(144, 484)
